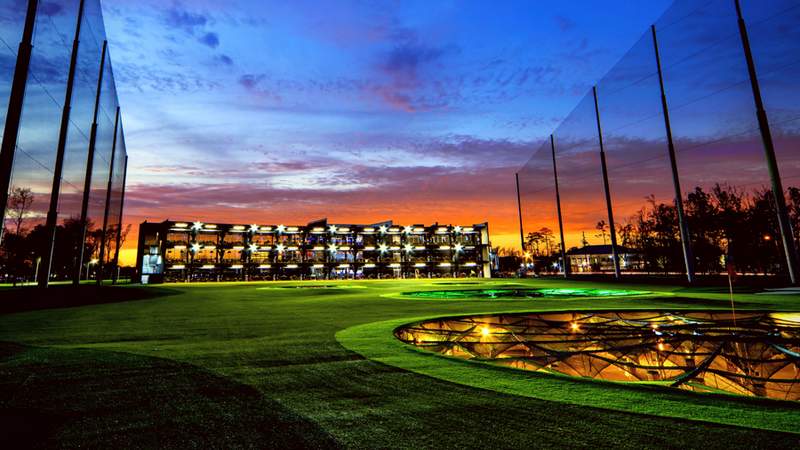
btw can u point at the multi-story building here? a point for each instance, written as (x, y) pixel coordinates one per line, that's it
(195, 251)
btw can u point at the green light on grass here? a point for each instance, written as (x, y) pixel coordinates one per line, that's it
(523, 293)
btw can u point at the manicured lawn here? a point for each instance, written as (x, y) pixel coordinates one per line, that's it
(237, 365)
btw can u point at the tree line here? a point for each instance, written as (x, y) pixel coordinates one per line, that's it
(726, 225)
(22, 247)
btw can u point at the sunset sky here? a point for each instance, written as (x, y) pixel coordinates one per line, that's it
(284, 112)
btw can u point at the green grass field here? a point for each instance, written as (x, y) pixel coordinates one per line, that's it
(270, 365)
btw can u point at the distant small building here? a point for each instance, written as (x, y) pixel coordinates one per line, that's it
(598, 258)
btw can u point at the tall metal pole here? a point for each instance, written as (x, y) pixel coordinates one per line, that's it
(519, 211)
(115, 272)
(688, 257)
(16, 99)
(55, 191)
(87, 185)
(789, 248)
(612, 230)
(566, 268)
(104, 231)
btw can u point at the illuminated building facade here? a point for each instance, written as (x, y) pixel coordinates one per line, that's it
(176, 251)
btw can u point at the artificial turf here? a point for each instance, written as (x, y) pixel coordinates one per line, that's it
(237, 365)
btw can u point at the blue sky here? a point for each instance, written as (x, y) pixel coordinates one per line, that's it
(358, 111)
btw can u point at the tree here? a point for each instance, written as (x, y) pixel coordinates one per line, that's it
(19, 203)
(547, 237)
(602, 227)
(123, 235)
(532, 242)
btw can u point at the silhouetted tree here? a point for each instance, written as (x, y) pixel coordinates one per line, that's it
(602, 227)
(19, 203)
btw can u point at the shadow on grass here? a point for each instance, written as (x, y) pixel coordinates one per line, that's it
(75, 398)
(20, 299)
